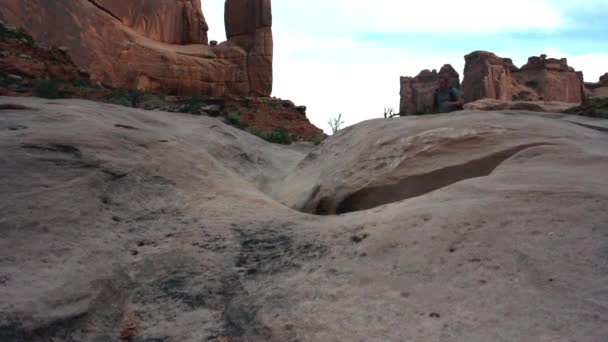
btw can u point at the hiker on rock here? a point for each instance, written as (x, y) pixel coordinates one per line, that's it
(446, 98)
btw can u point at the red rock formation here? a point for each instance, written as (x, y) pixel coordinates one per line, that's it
(22, 59)
(266, 114)
(487, 76)
(417, 92)
(168, 21)
(248, 25)
(125, 48)
(551, 79)
(604, 80)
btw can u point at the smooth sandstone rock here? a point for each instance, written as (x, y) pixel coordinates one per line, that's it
(485, 227)
(533, 106)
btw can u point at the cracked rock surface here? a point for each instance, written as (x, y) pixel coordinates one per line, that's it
(125, 225)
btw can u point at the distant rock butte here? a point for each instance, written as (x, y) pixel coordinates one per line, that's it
(417, 92)
(156, 45)
(488, 76)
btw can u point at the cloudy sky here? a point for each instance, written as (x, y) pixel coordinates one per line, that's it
(346, 56)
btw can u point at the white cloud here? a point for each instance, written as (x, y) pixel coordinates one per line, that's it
(449, 15)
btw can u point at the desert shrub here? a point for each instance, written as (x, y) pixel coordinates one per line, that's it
(47, 88)
(135, 96)
(276, 136)
(425, 110)
(193, 105)
(316, 140)
(6, 81)
(81, 82)
(234, 119)
(119, 96)
(389, 113)
(19, 34)
(336, 123)
(126, 97)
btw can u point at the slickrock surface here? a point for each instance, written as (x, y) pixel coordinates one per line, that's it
(152, 226)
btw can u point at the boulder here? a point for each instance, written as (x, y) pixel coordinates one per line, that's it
(134, 44)
(487, 76)
(417, 92)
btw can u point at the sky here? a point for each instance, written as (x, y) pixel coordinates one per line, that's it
(346, 56)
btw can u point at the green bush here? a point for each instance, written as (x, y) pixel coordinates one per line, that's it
(276, 136)
(81, 82)
(7, 82)
(126, 97)
(48, 89)
(316, 140)
(234, 119)
(193, 105)
(423, 111)
(18, 34)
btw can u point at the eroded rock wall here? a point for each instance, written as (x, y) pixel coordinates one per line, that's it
(551, 79)
(417, 92)
(249, 26)
(487, 76)
(168, 21)
(140, 44)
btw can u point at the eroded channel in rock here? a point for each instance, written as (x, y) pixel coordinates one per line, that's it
(418, 185)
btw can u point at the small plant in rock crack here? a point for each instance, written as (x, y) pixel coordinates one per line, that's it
(336, 123)
(389, 113)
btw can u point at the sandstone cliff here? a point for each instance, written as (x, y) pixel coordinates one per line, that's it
(488, 76)
(168, 21)
(550, 79)
(417, 92)
(248, 25)
(134, 44)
